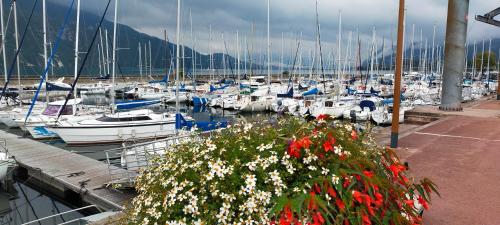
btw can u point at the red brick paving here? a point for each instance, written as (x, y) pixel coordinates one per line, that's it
(464, 164)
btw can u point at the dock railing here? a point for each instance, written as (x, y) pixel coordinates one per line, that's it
(125, 163)
(64, 213)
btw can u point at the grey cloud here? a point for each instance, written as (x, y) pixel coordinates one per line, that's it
(290, 17)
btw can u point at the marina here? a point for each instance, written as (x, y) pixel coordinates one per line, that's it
(110, 123)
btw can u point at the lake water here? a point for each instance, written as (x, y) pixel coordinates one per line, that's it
(21, 203)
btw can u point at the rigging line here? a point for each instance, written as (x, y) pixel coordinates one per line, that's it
(49, 62)
(83, 62)
(18, 51)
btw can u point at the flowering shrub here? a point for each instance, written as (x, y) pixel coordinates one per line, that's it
(291, 172)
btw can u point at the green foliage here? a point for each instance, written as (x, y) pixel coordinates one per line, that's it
(484, 56)
(288, 172)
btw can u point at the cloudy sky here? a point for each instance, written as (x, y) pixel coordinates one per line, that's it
(290, 18)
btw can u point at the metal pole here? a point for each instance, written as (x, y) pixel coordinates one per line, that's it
(397, 79)
(76, 50)
(112, 94)
(44, 17)
(139, 48)
(456, 35)
(178, 53)
(17, 49)
(3, 41)
(269, 43)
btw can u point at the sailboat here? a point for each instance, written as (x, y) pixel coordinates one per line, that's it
(119, 127)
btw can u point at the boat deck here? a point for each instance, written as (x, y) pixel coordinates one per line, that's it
(64, 173)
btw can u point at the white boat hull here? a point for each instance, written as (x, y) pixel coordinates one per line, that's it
(99, 135)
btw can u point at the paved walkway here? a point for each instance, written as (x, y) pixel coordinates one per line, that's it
(461, 154)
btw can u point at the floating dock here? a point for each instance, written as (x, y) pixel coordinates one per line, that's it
(67, 175)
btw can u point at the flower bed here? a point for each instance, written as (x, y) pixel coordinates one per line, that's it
(291, 172)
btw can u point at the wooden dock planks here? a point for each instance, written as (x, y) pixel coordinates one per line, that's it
(58, 168)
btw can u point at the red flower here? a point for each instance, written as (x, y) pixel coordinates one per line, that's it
(312, 202)
(332, 192)
(287, 217)
(379, 199)
(340, 204)
(317, 188)
(396, 169)
(423, 202)
(294, 149)
(354, 135)
(318, 219)
(369, 174)
(357, 195)
(305, 142)
(410, 203)
(366, 220)
(323, 117)
(327, 146)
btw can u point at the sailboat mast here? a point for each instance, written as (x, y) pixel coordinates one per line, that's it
(193, 59)
(3, 41)
(112, 94)
(433, 43)
(17, 48)
(238, 56)
(372, 60)
(339, 55)
(103, 60)
(76, 48)
(99, 59)
(211, 58)
(178, 54)
(412, 46)
(488, 67)
(140, 60)
(282, 66)
(146, 70)
(44, 17)
(269, 43)
(150, 61)
(107, 53)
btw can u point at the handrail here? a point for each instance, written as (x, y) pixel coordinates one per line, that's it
(59, 214)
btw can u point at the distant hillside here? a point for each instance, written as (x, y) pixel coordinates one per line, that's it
(495, 48)
(128, 40)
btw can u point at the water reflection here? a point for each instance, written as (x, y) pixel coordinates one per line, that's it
(19, 203)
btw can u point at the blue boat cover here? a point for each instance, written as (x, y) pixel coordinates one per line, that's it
(313, 91)
(135, 104)
(289, 94)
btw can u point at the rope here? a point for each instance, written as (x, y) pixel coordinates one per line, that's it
(49, 62)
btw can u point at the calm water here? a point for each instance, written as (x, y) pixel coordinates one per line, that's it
(22, 204)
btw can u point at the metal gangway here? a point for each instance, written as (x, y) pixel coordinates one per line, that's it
(125, 163)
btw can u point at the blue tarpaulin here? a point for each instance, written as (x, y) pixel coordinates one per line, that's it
(135, 104)
(313, 91)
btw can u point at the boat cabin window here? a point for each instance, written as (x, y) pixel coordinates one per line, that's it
(260, 80)
(52, 110)
(254, 98)
(123, 119)
(328, 104)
